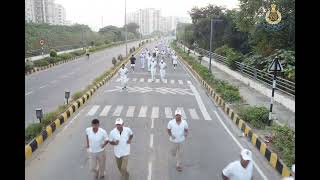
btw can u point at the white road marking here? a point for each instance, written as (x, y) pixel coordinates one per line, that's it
(28, 93)
(70, 122)
(183, 114)
(157, 80)
(43, 86)
(151, 141)
(149, 80)
(194, 114)
(93, 110)
(105, 111)
(152, 123)
(149, 170)
(202, 107)
(165, 81)
(180, 81)
(172, 81)
(118, 79)
(142, 80)
(143, 111)
(118, 110)
(168, 112)
(189, 82)
(130, 111)
(134, 79)
(155, 112)
(54, 81)
(241, 147)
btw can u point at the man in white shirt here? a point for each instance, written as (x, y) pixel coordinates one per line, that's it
(153, 68)
(121, 138)
(178, 131)
(163, 67)
(149, 61)
(174, 61)
(123, 71)
(142, 57)
(241, 169)
(97, 139)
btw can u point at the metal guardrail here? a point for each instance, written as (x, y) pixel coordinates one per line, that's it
(283, 85)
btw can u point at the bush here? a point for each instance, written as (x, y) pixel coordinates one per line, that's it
(78, 53)
(223, 50)
(257, 116)
(40, 63)
(233, 56)
(53, 53)
(106, 41)
(77, 95)
(120, 58)
(114, 61)
(48, 118)
(32, 131)
(66, 56)
(284, 141)
(28, 66)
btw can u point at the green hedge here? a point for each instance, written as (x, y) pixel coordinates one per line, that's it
(228, 92)
(32, 131)
(41, 62)
(258, 116)
(284, 141)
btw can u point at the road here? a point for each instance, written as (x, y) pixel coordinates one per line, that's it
(46, 88)
(146, 108)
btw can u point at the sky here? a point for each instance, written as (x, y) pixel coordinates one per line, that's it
(96, 13)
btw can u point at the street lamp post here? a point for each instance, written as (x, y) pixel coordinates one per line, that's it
(211, 24)
(125, 24)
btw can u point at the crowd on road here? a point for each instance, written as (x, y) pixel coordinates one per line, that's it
(121, 136)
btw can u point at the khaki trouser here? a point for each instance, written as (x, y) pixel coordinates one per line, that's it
(122, 163)
(176, 151)
(95, 159)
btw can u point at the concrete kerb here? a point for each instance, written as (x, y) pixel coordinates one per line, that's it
(272, 157)
(50, 129)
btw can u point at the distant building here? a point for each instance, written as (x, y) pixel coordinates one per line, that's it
(148, 20)
(45, 11)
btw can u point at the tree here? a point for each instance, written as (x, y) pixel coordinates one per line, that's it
(132, 27)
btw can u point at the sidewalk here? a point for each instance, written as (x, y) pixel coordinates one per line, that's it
(253, 97)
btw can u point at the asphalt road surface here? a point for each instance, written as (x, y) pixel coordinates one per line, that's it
(146, 108)
(45, 89)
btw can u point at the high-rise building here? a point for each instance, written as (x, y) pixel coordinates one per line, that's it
(29, 11)
(45, 11)
(147, 19)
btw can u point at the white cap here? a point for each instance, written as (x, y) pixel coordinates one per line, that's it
(161, 60)
(293, 168)
(119, 121)
(246, 154)
(177, 112)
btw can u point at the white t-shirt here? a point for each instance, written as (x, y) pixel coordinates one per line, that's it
(96, 139)
(235, 171)
(175, 60)
(153, 65)
(177, 130)
(162, 65)
(123, 148)
(123, 72)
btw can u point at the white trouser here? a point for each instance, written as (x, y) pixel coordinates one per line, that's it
(124, 81)
(162, 74)
(153, 73)
(142, 63)
(149, 65)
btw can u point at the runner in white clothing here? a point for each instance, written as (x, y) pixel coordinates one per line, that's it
(153, 67)
(149, 57)
(174, 61)
(123, 76)
(241, 169)
(163, 67)
(142, 57)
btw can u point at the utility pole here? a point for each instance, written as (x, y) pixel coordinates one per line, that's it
(125, 24)
(211, 24)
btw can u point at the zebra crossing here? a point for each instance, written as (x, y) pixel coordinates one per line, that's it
(148, 80)
(143, 111)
